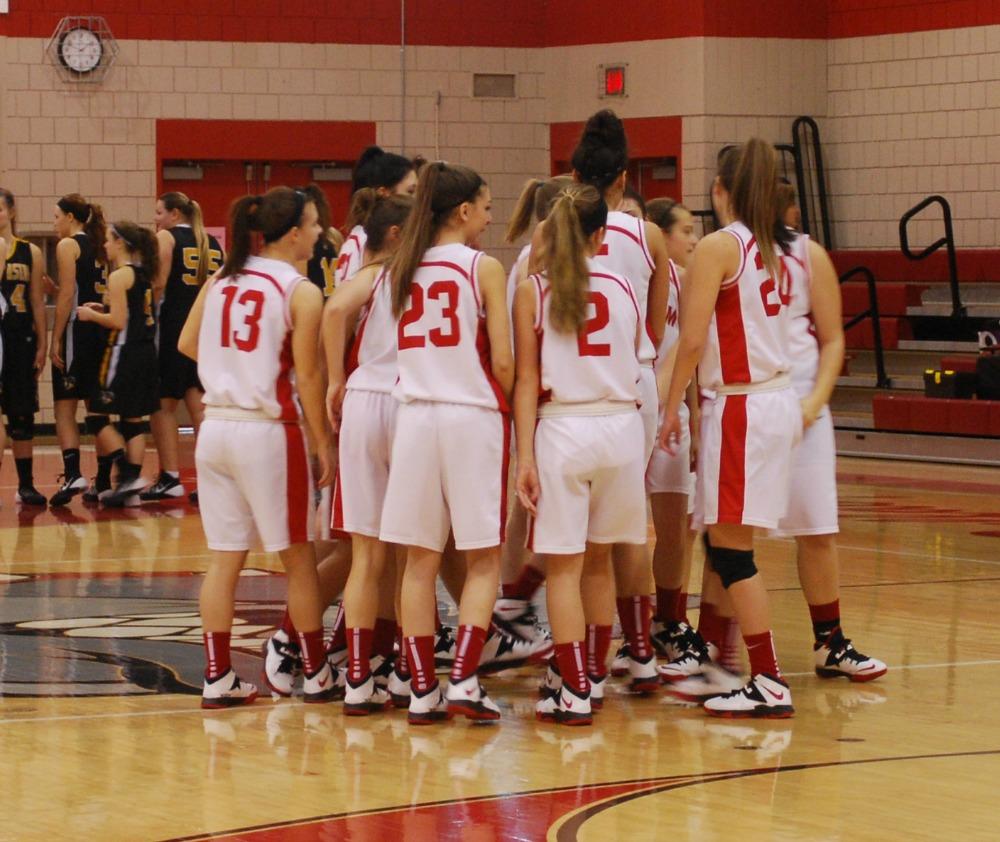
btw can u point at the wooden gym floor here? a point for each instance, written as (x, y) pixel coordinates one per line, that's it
(101, 736)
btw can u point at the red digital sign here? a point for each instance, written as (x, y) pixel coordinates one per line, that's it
(614, 81)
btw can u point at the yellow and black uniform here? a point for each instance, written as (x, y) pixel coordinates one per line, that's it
(128, 384)
(83, 342)
(321, 268)
(19, 395)
(177, 372)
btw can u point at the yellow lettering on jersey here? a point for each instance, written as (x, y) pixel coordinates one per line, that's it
(190, 259)
(101, 286)
(17, 299)
(18, 272)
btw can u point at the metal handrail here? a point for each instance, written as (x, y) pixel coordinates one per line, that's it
(948, 241)
(798, 144)
(882, 381)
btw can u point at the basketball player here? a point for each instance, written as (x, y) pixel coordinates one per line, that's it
(448, 467)
(77, 347)
(633, 248)
(254, 331)
(187, 256)
(816, 348)
(734, 323)
(580, 444)
(24, 337)
(386, 173)
(321, 268)
(633, 204)
(127, 386)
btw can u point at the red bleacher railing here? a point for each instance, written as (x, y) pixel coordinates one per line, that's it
(882, 380)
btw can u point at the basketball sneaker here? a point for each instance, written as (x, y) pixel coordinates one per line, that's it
(838, 657)
(28, 495)
(551, 681)
(282, 663)
(517, 617)
(429, 708)
(68, 490)
(398, 688)
(566, 708)
(713, 680)
(689, 663)
(643, 676)
(94, 495)
(322, 687)
(763, 697)
(504, 651)
(619, 664)
(227, 691)
(120, 495)
(597, 685)
(672, 640)
(468, 698)
(365, 698)
(166, 487)
(444, 647)
(337, 658)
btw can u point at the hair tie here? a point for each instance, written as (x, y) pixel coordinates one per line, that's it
(122, 237)
(90, 213)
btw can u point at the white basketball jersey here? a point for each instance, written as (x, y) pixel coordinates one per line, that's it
(515, 273)
(444, 350)
(371, 365)
(748, 334)
(626, 253)
(351, 255)
(245, 341)
(803, 345)
(672, 328)
(600, 362)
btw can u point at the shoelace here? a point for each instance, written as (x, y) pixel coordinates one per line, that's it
(847, 651)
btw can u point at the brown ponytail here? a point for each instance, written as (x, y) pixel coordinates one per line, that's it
(441, 189)
(191, 211)
(573, 217)
(749, 173)
(92, 219)
(138, 242)
(388, 211)
(274, 214)
(362, 203)
(535, 200)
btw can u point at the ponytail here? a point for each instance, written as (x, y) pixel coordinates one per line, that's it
(140, 242)
(274, 215)
(574, 216)
(362, 203)
(8, 200)
(523, 211)
(749, 173)
(389, 211)
(441, 189)
(191, 211)
(242, 224)
(92, 219)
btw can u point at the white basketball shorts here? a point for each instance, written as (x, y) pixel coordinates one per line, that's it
(666, 474)
(254, 475)
(590, 473)
(650, 409)
(448, 471)
(812, 504)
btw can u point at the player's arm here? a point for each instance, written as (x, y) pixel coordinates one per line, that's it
(36, 293)
(307, 314)
(116, 317)
(715, 258)
(659, 283)
(824, 292)
(187, 344)
(67, 251)
(526, 388)
(339, 313)
(3, 255)
(165, 247)
(493, 286)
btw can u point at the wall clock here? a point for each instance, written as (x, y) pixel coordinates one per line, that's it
(82, 48)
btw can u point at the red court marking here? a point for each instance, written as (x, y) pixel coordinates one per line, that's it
(988, 533)
(963, 486)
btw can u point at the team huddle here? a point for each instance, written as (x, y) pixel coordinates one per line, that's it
(643, 370)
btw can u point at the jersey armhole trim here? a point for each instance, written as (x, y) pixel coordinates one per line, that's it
(734, 278)
(539, 301)
(645, 246)
(474, 279)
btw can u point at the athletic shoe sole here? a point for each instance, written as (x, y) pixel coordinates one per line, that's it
(431, 718)
(473, 711)
(645, 686)
(323, 697)
(857, 677)
(760, 712)
(274, 689)
(234, 702)
(365, 708)
(399, 702)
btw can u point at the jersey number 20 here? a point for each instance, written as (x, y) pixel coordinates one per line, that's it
(442, 291)
(246, 337)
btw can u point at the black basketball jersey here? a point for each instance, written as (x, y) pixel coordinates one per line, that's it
(182, 282)
(322, 266)
(140, 326)
(15, 285)
(91, 276)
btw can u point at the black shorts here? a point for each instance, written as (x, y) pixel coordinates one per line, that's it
(178, 373)
(129, 385)
(83, 349)
(19, 395)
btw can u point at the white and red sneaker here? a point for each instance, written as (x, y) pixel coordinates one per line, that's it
(838, 657)
(566, 708)
(365, 698)
(643, 676)
(282, 663)
(763, 697)
(468, 698)
(327, 685)
(713, 680)
(428, 708)
(227, 691)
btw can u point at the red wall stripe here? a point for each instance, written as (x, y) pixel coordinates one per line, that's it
(973, 265)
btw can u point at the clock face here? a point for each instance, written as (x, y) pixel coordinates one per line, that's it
(80, 50)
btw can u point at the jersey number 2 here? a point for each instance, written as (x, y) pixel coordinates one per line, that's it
(783, 288)
(597, 322)
(254, 300)
(438, 290)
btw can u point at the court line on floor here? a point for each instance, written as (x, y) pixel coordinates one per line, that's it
(905, 553)
(263, 708)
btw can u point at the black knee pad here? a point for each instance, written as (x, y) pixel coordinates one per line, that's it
(21, 427)
(131, 429)
(93, 424)
(732, 565)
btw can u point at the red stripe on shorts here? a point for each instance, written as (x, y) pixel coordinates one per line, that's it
(337, 515)
(733, 460)
(297, 488)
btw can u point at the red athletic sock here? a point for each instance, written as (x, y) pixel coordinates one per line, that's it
(666, 604)
(730, 654)
(634, 614)
(288, 627)
(313, 655)
(216, 654)
(338, 639)
(825, 620)
(598, 644)
(420, 653)
(571, 659)
(384, 638)
(681, 611)
(359, 647)
(402, 664)
(763, 658)
(711, 626)
(526, 585)
(468, 652)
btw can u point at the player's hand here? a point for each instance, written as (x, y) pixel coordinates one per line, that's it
(326, 465)
(51, 287)
(55, 354)
(810, 412)
(527, 486)
(39, 361)
(334, 403)
(695, 442)
(670, 433)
